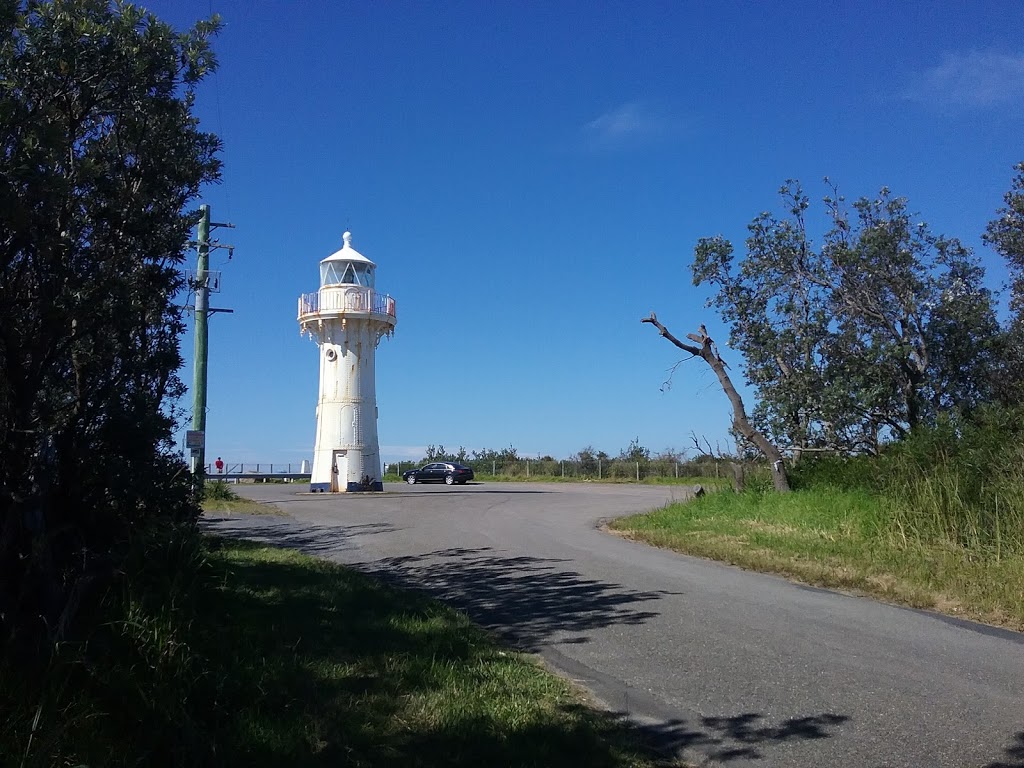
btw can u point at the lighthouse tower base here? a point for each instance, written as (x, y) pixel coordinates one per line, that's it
(345, 470)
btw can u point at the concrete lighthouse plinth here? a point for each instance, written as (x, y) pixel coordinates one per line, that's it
(347, 318)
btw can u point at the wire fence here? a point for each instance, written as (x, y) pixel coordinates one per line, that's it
(258, 468)
(597, 469)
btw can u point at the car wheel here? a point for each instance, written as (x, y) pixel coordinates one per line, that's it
(448, 479)
(411, 479)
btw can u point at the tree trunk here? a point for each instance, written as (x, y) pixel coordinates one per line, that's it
(709, 353)
(737, 477)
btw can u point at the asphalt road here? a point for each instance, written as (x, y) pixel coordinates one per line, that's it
(722, 665)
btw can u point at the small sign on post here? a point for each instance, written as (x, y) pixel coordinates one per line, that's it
(195, 441)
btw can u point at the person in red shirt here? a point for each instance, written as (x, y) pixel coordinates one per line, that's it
(219, 464)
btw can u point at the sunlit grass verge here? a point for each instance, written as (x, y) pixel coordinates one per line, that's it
(272, 658)
(845, 539)
(219, 498)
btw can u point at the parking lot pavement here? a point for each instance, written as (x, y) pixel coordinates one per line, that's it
(721, 665)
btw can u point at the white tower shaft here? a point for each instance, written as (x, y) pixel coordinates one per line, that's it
(346, 452)
(347, 319)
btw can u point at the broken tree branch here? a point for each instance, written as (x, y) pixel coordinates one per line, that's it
(709, 353)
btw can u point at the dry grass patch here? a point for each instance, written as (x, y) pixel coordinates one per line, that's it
(839, 540)
(239, 507)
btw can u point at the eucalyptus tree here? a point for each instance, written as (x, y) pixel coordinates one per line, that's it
(912, 315)
(1006, 234)
(101, 157)
(862, 337)
(777, 309)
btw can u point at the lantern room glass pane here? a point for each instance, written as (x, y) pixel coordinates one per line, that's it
(329, 273)
(364, 274)
(346, 272)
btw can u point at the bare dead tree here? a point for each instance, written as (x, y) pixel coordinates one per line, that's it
(735, 463)
(708, 351)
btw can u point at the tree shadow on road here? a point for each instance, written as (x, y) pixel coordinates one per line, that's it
(1014, 754)
(525, 600)
(736, 737)
(316, 540)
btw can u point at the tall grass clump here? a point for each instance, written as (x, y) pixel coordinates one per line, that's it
(218, 490)
(843, 473)
(125, 682)
(959, 484)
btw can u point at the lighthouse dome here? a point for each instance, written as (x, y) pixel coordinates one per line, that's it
(347, 267)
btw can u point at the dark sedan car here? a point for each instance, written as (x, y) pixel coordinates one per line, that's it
(441, 471)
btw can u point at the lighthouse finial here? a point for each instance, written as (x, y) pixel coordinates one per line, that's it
(347, 237)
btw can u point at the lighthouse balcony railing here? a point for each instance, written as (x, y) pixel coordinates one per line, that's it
(348, 300)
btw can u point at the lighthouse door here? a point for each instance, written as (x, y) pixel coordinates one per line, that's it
(339, 472)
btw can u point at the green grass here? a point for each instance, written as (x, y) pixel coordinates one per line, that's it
(219, 498)
(846, 539)
(272, 658)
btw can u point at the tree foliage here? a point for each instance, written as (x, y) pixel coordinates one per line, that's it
(101, 155)
(876, 330)
(1005, 233)
(779, 318)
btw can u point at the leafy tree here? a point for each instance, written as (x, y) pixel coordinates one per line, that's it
(779, 318)
(587, 459)
(635, 452)
(439, 453)
(509, 454)
(1006, 235)
(905, 301)
(877, 330)
(101, 156)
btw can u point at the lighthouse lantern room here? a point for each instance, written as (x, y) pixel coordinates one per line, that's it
(347, 318)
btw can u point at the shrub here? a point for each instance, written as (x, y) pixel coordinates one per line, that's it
(217, 490)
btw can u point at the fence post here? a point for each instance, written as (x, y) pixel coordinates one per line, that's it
(598, 469)
(527, 467)
(561, 466)
(494, 471)
(638, 471)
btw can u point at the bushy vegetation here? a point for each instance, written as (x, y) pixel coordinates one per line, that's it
(959, 483)
(635, 462)
(100, 157)
(213, 652)
(935, 520)
(218, 490)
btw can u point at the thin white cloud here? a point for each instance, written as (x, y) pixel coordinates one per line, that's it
(976, 79)
(627, 125)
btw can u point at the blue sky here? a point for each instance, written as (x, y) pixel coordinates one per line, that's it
(531, 178)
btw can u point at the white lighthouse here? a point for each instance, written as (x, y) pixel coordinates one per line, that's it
(347, 318)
